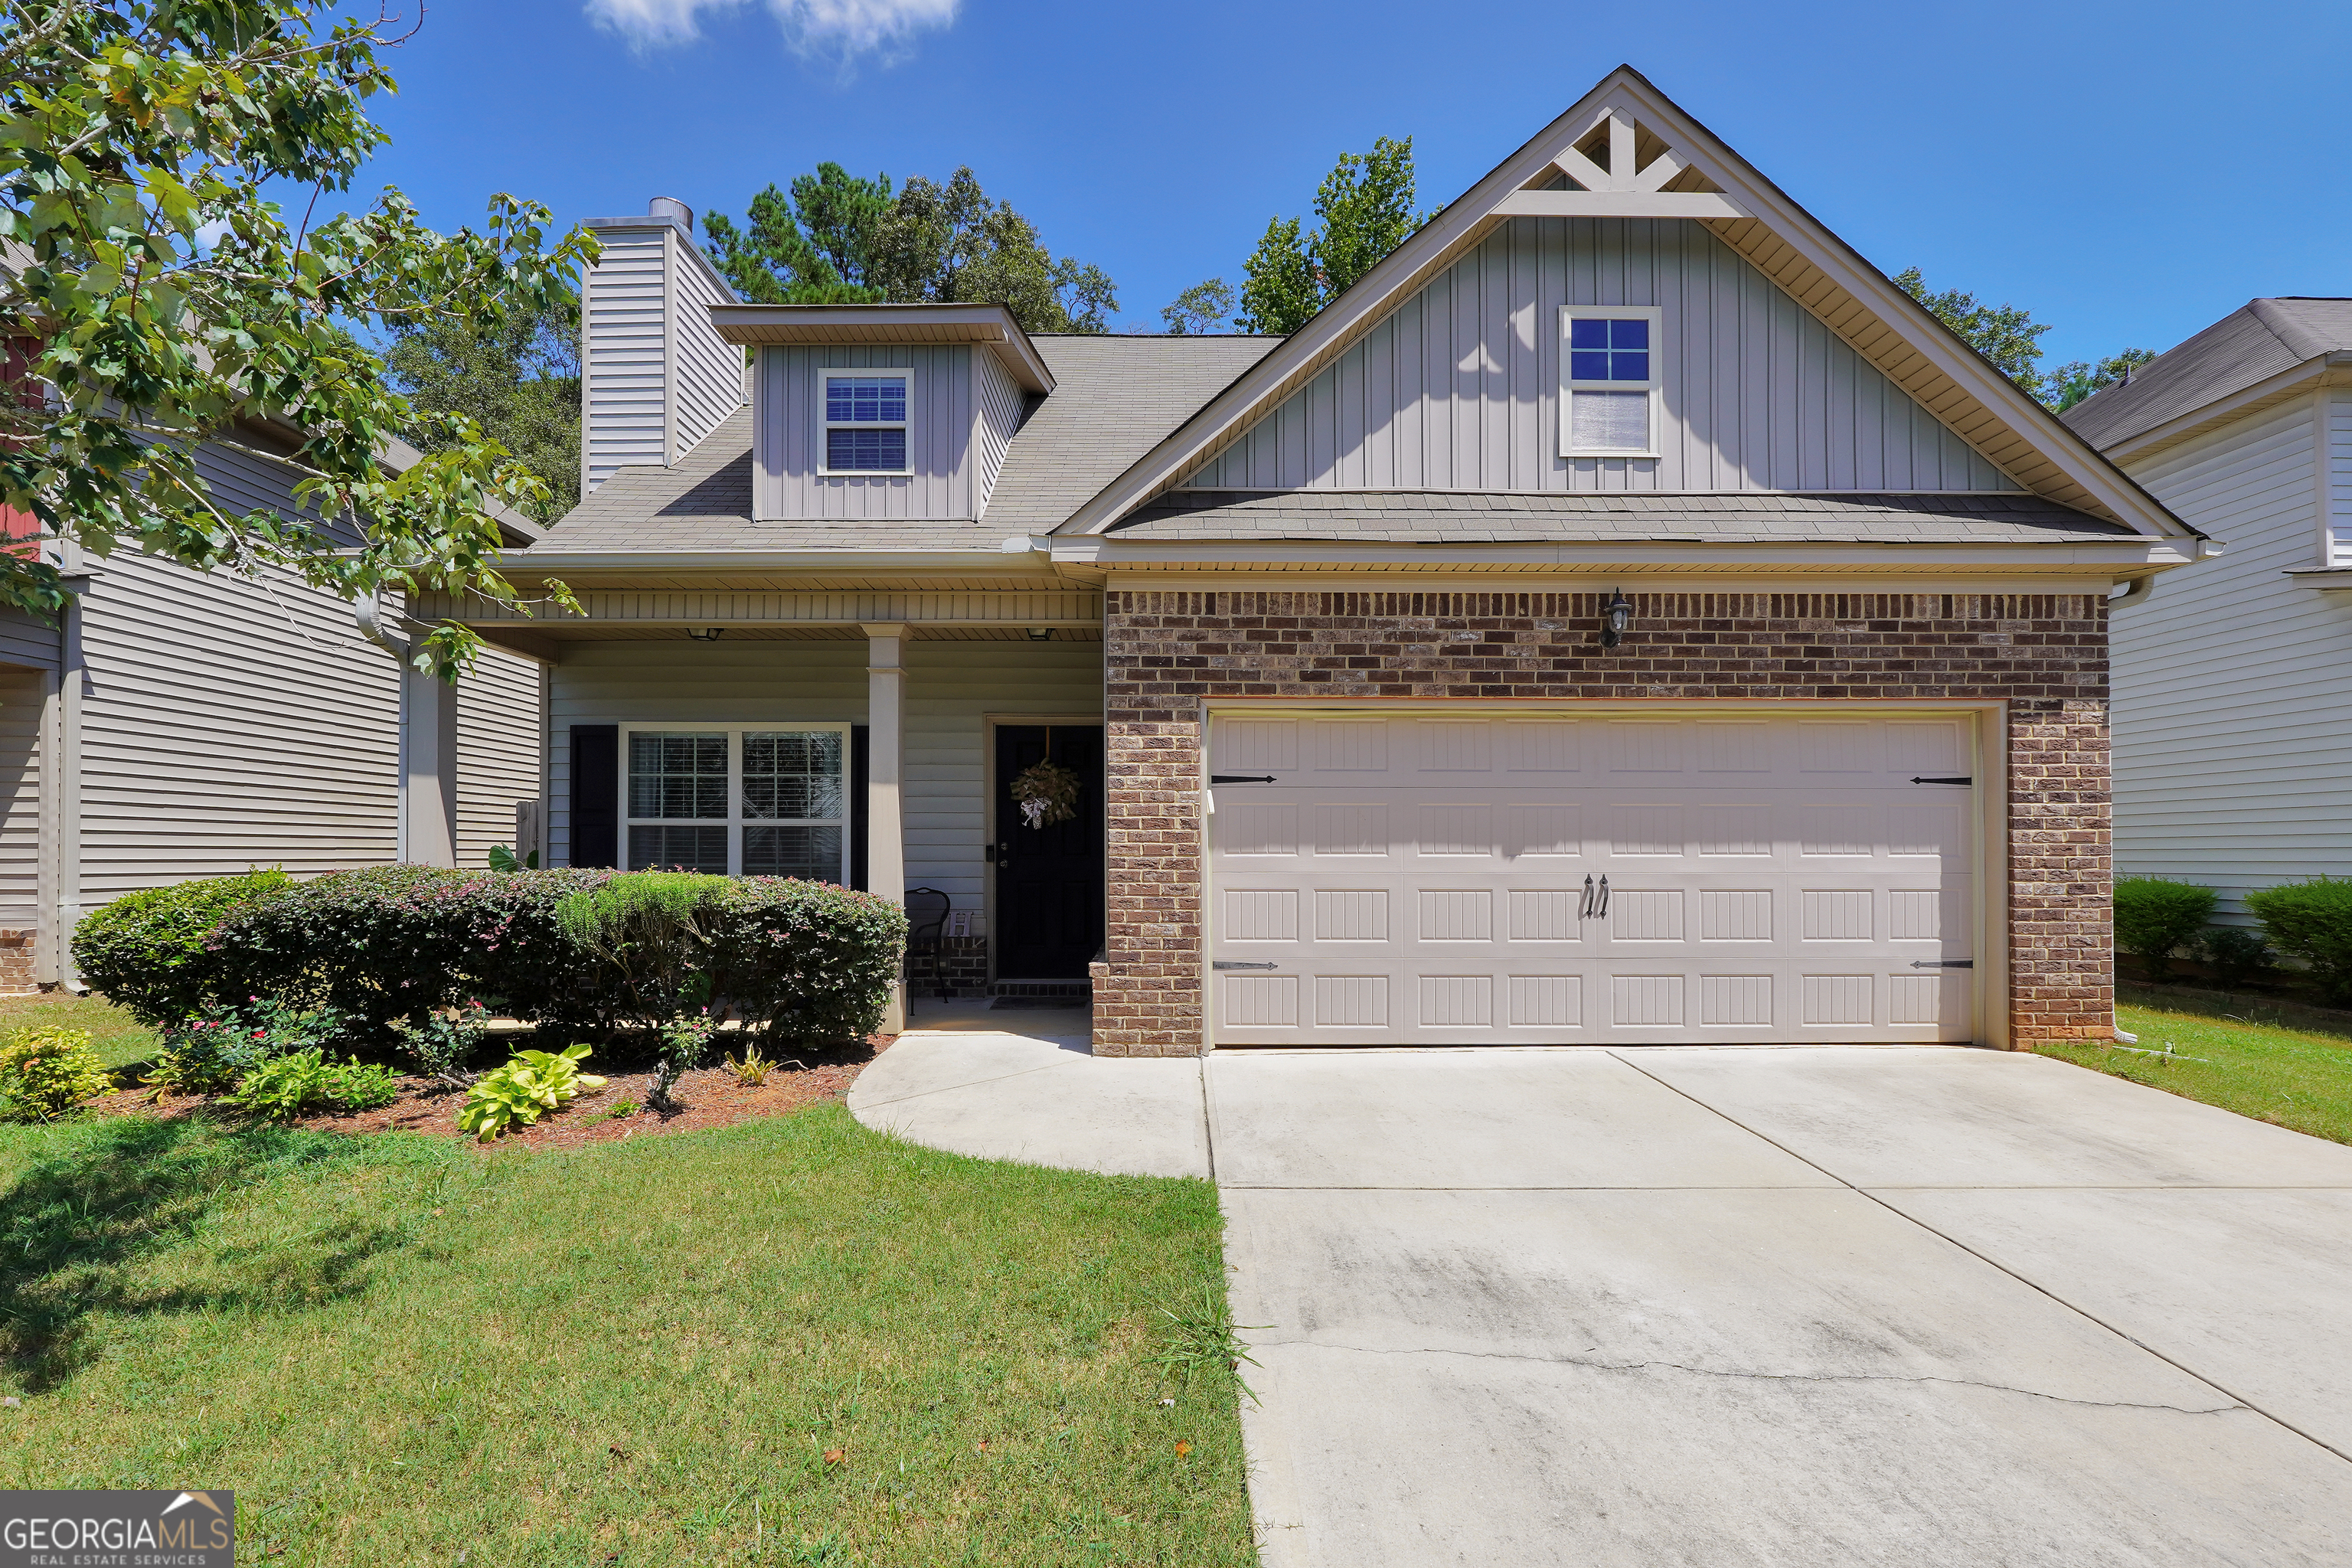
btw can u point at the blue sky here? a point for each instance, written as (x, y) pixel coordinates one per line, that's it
(2128, 172)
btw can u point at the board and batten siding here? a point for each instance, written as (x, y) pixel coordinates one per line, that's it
(1002, 404)
(1459, 388)
(950, 688)
(2230, 680)
(2338, 420)
(789, 444)
(22, 692)
(499, 737)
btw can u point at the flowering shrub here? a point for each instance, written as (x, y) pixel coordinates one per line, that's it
(44, 1073)
(149, 951)
(212, 1053)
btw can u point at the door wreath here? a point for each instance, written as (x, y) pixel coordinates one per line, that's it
(1046, 793)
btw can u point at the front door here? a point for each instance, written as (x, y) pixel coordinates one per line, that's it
(1049, 879)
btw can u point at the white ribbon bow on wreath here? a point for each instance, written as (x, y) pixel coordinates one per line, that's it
(1046, 793)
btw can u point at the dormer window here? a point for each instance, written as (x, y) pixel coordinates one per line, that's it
(866, 422)
(1609, 360)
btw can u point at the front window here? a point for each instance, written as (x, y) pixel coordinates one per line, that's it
(1610, 364)
(739, 802)
(865, 423)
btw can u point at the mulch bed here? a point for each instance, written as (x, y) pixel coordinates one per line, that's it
(707, 1097)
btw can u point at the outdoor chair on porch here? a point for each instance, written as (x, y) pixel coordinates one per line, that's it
(927, 924)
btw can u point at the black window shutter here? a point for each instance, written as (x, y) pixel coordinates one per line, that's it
(860, 752)
(596, 795)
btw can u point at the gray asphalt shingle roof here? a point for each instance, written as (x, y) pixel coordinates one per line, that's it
(1115, 398)
(1449, 517)
(2247, 346)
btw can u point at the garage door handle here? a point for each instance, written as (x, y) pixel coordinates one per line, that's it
(1602, 909)
(1228, 963)
(1584, 909)
(1239, 778)
(1944, 781)
(1946, 963)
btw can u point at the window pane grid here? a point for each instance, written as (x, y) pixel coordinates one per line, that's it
(865, 400)
(866, 451)
(688, 791)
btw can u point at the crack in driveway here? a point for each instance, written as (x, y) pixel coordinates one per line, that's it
(1595, 1365)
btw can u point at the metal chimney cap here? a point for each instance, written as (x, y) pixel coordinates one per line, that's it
(671, 207)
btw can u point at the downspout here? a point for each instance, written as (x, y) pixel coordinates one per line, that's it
(2136, 589)
(367, 613)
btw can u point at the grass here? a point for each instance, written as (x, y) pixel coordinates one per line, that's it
(119, 1038)
(2280, 1063)
(790, 1341)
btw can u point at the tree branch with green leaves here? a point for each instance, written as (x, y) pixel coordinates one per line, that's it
(156, 300)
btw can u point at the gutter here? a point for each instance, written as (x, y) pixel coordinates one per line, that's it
(1001, 561)
(2141, 551)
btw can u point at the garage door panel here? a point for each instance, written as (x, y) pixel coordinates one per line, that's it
(1436, 880)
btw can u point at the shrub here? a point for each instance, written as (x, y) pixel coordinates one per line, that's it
(212, 1053)
(44, 1073)
(285, 1087)
(686, 1040)
(2155, 917)
(442, 1043)
(2313, 922)
(530, 1084)
(2237, 955)
(810, 961)
(149, 951)
(653, 930)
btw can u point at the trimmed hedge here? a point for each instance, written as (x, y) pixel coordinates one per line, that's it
(2313, 922)
(2156, 918)
(149, 953)
(811, 961)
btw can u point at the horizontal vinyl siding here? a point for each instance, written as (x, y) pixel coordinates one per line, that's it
(709, 369)
(1459, 388)
(28, 640)
(20, 797)
(621, 323)
(790, 436)
(497, 751)
(1001, 405)
(2231, 682)
(949, 687)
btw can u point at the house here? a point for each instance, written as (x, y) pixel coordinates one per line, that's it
(1623, 615)
(174, 724)
(2232, 682)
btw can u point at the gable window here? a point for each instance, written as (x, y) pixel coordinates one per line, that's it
(1611, 357)
(738, 802)
(866, 422)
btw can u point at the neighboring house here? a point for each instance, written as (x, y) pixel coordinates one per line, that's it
(2234, 683)
(1328, 629)
(176, 724)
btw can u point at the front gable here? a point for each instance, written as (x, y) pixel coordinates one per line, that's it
(1461, 386)
(1628, 165)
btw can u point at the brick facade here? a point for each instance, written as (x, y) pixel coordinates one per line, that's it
(2043, 655)
(16, 963)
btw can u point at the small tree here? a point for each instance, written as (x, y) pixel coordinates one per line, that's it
(1203, 308)
(1366, 208)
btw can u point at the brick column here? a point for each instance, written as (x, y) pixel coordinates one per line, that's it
(2061, 873)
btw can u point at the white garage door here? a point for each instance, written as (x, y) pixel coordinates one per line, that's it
(1537, 881)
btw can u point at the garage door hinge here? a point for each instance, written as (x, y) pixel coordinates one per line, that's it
(1228, 963)
(1944, 781)
(1946, 963)
(1239, 778)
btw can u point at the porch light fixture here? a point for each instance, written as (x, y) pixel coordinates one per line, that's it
(1615, 616)
(704, 634)
(1041, 634)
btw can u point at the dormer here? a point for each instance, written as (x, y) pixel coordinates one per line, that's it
(881, 411)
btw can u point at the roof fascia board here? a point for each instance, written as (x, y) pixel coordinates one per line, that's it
(995, 327)
(2328, 370)
(2124, 554)
(803, 562)
(1470, 215)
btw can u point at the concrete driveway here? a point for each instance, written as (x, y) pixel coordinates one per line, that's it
(1715, 1307)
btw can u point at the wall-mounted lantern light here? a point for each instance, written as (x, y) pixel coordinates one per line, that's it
(704, 634)
(1616, 614)
(1041, 634)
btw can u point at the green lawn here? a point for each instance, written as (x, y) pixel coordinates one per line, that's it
(118, 1037)
(788, 1341)
(2274, 1062)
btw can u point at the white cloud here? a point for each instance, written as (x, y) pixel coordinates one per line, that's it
(841, 29)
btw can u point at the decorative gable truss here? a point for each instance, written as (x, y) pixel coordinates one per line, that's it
(1628, 151)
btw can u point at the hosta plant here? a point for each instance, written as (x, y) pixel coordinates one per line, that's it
(285, 1087)
(528, 1086)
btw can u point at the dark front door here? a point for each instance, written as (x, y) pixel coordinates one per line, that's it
(1049, 881)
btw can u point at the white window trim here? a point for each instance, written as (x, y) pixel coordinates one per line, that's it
(1570, 387)
(735, 821)
(825, 378)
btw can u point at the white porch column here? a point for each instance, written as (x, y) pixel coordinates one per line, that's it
(886, 838)
(428, 769)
